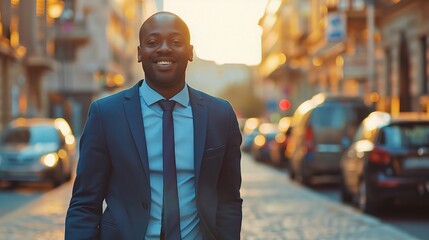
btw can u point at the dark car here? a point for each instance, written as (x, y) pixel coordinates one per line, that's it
(323, 127)
(278, 146)
(37, 149)
(250, 131)
(387, 162)
(263, 142)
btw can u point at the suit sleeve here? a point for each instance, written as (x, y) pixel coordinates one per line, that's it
(85, 209)
(229, 214)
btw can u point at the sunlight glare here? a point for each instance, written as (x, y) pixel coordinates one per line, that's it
(224, 31)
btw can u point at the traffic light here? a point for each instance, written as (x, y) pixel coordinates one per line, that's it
(284, 104)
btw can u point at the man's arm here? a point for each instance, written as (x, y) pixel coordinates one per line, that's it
(84, 213)
(229, 212)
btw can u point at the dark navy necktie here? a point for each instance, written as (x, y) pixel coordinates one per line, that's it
(171, 216)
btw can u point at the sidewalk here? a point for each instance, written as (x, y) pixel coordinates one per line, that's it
(274, 208)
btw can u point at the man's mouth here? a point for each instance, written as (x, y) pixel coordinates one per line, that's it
(164, 63)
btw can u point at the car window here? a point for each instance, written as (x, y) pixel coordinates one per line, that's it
(359, 134)
(391, 136)
(16, 136)
(356, 113)
(43, 134)
(339, 115)
(405, 135)
(328, 116)
(32, 135)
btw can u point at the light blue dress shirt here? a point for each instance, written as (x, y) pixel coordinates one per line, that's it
(184, 149)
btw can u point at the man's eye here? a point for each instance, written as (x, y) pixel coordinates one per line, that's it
(177, 42)
(152, 43)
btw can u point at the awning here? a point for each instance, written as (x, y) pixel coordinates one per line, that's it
(285, 72)
(330, 49)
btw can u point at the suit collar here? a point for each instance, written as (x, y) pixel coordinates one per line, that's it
(133, 112)
(150, 96)
(200, 113)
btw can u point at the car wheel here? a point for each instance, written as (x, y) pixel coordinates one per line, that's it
(365, 202)
(13, 184)
(68, 175)
(302, 178)
(346, 197)
(59, 177)
(291, 174)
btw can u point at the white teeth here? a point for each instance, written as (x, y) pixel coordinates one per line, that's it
(164, 62)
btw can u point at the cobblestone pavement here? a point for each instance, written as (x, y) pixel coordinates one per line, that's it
(274, 208)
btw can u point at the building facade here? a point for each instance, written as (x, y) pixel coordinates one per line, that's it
(402, 81)
(99, 57)
(26, 56)
(375, 49)
(56, 56)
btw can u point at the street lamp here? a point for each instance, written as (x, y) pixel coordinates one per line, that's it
(56, 9)
(371, 46)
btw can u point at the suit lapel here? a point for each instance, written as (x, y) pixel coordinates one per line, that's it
(200, 112)
(134, 116)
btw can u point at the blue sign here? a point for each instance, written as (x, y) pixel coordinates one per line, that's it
(336, 27)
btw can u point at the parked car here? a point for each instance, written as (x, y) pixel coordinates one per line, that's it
(250, 131)
(37, 149)
(387, 162)
(264, 141)
(278, 147)
(323, 128)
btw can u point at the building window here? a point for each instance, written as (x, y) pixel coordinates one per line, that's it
(358, 4)
(425, 66)
(388, 54)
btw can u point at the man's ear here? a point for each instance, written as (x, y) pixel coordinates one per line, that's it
(139, 57)
(191, 53)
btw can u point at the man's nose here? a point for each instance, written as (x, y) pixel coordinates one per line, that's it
(164, 46)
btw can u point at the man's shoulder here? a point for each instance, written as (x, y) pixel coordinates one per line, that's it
(117, 97)
(215, 105)
(113, 97)
(209, 99)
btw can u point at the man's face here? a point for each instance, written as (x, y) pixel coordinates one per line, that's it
(164, 51)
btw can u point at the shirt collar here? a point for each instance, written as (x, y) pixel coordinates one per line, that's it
(150, 96)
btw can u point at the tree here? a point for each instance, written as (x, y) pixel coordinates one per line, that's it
(243, 99)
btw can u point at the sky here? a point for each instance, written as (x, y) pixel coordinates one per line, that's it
(224, 31)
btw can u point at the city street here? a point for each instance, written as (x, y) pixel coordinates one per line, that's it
(274, 208)
(412, 219)
(331, 97)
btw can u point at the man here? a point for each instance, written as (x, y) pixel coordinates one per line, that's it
(122, 153)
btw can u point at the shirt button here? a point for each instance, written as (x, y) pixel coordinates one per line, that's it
(145, 206)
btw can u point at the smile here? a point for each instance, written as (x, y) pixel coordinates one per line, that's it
(165, 63)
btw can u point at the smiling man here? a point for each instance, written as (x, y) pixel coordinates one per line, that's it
(163, 156)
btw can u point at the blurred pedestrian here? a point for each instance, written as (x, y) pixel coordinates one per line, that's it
(135, 140)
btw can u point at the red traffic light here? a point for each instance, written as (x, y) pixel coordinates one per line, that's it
(284, 104)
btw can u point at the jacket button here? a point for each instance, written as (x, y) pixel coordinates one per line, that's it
(145, 206)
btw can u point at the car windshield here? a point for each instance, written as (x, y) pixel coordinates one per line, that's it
(31, 136)
(338, 116)
(405, 135)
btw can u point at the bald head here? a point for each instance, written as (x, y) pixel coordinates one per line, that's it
(165, 17)
(164, 52)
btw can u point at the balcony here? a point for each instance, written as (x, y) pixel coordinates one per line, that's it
(5, 47)
(35, 62)
(69, 36)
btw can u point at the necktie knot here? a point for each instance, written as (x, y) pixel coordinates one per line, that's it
(167, 105)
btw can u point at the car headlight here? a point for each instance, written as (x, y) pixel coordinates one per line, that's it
(49, 160)
(259, 140)
(280, 138)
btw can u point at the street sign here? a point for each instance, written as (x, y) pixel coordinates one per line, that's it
(336, 27)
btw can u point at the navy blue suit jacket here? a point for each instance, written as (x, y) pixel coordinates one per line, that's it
(113, 166)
